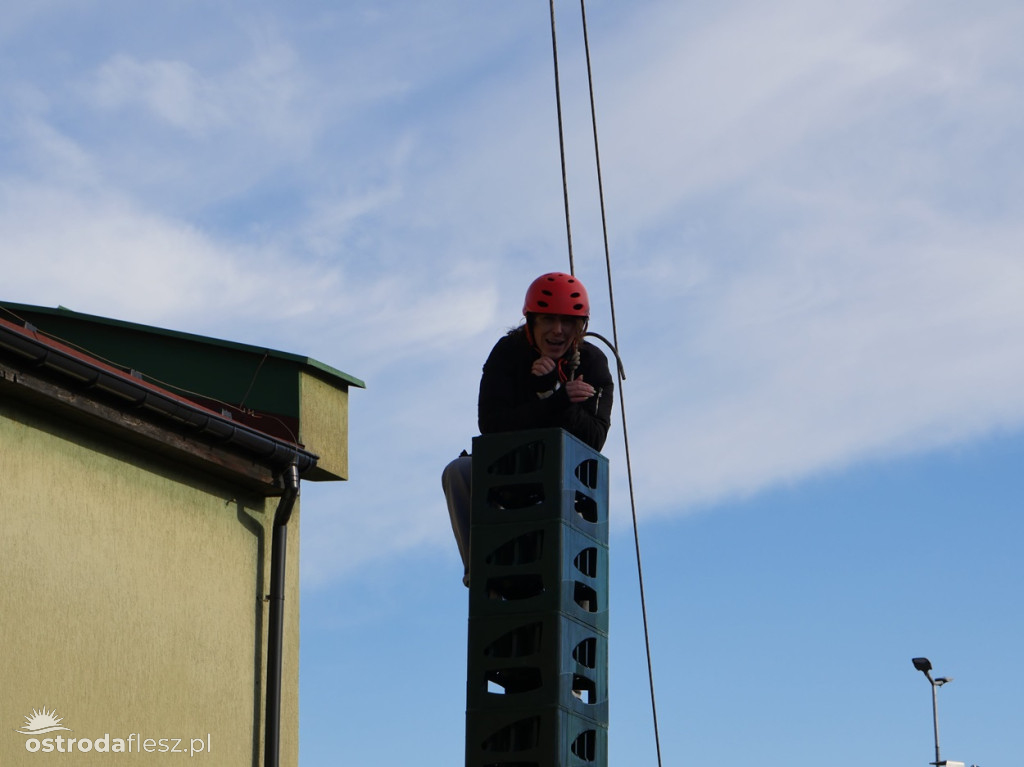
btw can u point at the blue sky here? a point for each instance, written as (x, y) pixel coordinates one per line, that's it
(816, 234)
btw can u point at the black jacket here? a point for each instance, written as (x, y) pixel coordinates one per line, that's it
(509, 398)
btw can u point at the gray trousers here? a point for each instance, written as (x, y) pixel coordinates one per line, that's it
(456, 479)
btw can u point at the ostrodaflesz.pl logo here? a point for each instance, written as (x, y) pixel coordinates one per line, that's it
(46, 722)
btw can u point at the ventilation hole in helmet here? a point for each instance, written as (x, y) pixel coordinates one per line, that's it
(542, 303)
(575, 295)
(577, 306)
(547, 292)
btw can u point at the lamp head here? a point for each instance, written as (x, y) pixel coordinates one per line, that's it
(922, 664)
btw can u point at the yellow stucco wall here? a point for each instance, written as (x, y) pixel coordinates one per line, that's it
(323, 414)
(131, 601)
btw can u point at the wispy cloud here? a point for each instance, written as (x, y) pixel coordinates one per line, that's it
(268, 83)
(902, 333)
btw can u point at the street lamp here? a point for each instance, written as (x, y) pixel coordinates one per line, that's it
(925, 666)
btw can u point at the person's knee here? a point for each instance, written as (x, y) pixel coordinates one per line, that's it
(458, 473)
(450, 475)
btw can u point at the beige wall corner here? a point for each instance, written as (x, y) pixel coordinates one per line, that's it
(324, 419)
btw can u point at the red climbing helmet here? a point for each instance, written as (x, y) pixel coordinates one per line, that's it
(557, 293)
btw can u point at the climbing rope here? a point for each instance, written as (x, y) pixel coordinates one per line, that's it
(561, 137)
(615, 333)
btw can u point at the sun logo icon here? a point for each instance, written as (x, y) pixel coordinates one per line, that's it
(41, 722)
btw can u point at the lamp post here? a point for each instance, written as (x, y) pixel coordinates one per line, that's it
(925, 666)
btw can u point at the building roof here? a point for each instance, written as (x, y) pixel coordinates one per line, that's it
(257, 385)
(98, 333)
(246, 396)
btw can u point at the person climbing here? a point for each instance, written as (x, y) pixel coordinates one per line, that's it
(541, 374)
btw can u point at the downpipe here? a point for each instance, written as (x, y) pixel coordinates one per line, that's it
(275, 637)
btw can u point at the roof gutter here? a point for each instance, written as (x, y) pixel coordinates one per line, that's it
(89, 374)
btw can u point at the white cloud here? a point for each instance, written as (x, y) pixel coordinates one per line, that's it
(53, 154)
(99, 253)
(707, 104)
(810, 360)
(264, 91)
(172, 90)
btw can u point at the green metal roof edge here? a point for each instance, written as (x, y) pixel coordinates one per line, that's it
(63, 311)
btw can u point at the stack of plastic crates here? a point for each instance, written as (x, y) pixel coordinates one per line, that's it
(537, 681)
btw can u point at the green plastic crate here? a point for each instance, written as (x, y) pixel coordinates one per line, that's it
(539, 474)
(537, 661)
(547, 737)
